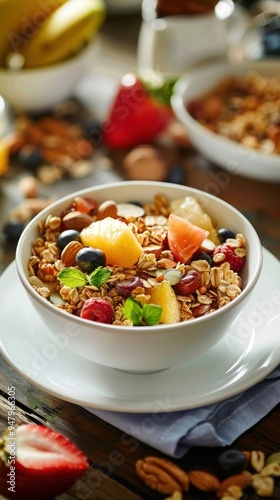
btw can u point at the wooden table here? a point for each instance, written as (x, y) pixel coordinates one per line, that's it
(112, 472)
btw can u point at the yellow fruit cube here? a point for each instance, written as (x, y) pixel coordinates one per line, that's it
(163, 295)
(115, 239)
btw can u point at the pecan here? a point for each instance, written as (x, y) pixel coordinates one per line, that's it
(162, 475)
(68, 255)
(242, 480)
(203, 480)
(77, 220)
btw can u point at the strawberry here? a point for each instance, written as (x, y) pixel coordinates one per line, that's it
(37, 462)
(139, 112)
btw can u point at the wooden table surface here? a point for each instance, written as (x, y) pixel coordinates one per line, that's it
(109, 478)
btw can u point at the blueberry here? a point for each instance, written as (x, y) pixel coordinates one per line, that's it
(93, 132)
(177, 175)
(232, 462)
(66, 236)
(88, 259)
(224, 234)
(203, 256)
(30, 156)
(12, 230)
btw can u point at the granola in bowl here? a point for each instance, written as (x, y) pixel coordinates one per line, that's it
(79, 264)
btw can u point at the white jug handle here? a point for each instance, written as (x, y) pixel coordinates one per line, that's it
(238, 23)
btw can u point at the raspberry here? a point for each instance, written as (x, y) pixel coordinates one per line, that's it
(99, 310)
(236, 263)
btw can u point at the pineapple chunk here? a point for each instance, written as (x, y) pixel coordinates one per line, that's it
(163, 295)
(188, 208)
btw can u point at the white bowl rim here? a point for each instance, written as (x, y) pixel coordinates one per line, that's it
(178, 102)
(161, 328)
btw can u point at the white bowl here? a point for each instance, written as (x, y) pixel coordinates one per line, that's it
(39, 89)
(230, 155)
(143, 349)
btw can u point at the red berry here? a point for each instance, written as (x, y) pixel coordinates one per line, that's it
(99, 310)
(236, 263)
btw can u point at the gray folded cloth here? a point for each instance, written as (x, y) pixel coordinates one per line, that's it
(218, 424)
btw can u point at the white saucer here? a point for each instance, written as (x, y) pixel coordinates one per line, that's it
(248, 353)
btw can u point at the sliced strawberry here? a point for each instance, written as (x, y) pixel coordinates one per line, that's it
(45, 465)
(139, 112)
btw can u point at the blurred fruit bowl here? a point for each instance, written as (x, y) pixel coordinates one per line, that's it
(145, 347)
(38, 89)
(235, 156)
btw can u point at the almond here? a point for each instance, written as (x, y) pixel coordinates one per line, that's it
(243, 480)
(203, 480)
(155, 249)
(77, 220)
(107, 209)
(68, 254)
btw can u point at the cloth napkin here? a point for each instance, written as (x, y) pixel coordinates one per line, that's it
(217, 424)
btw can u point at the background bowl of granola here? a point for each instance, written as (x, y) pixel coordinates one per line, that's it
(231, 114)
(121, 345)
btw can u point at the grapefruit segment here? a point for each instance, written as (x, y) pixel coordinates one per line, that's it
(163, 295)
(184, 238)
(115, 239)
(188, 208)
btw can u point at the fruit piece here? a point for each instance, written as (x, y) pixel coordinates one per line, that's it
(46, 463)
(18, 22)
(12, 230)
(125, 287)
(68, 29)
(4, 157)
(188, 208)
(95, 309)
(203, 256)
(189, 283)
(89, 259)
(85, 205)
(66, 236)
(184, 238)
(163, 295)
(232, 462)
(115, 239)
(224, 234)
(236, 263)
(30, 156)
(138, 113)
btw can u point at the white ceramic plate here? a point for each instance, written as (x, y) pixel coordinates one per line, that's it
(248, 353)
(230, 155)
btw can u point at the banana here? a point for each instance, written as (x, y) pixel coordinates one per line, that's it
(19, 22)
(64, 33)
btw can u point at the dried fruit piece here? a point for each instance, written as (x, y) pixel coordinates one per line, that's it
(162, 475)
(232, 461)
(99, 310)
(189, 283)
(125, 287)
(243, 480)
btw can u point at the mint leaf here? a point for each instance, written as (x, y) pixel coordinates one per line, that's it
(151, 314)
(99, 276)
(132, 310)
(72, 277)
